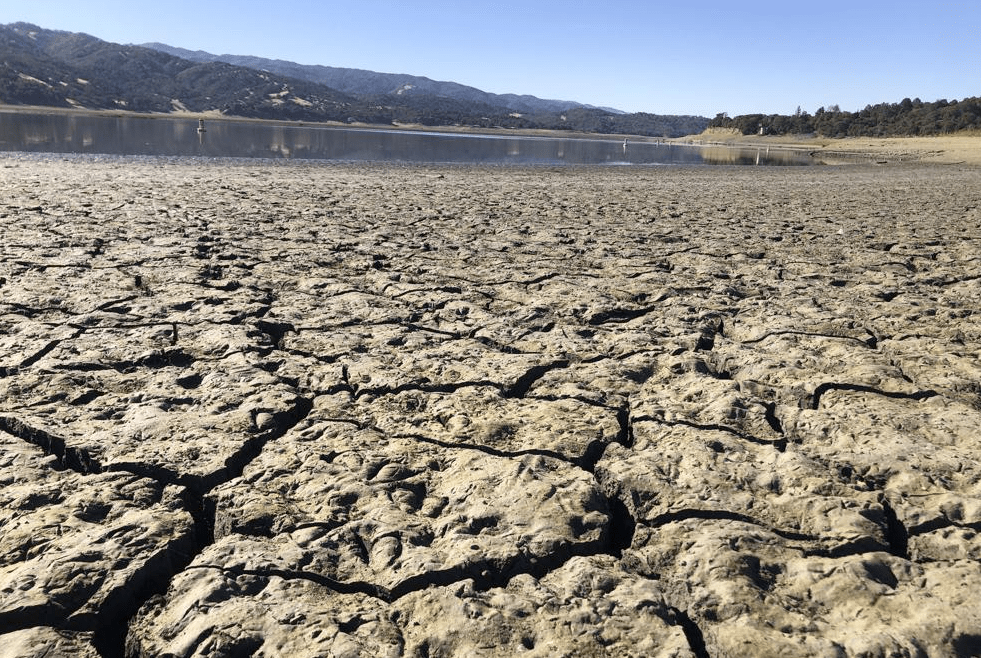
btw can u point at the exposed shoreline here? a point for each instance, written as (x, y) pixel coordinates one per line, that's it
(371, 409)
(941, 149)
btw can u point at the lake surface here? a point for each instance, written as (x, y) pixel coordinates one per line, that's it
(133, 135)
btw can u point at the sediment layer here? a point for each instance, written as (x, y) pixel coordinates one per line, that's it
(297, 409)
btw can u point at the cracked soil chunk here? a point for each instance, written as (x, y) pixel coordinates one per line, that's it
(357, 506)
(587, 607)
(44, 642)
(220, 611)
(78, 548)
(754, 593)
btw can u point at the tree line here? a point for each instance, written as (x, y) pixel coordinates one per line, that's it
(906, 118)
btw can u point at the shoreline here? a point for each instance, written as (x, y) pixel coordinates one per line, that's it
(408, 127)
(962, 149)
(940, 149)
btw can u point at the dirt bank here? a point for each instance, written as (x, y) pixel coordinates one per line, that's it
(943, 149)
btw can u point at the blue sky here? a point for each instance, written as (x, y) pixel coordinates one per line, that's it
(740, 56)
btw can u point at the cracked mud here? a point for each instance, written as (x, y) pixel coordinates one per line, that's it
(294, 409)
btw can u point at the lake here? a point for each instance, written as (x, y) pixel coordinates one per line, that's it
(66, 132)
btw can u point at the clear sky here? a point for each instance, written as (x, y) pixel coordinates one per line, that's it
(705, 57)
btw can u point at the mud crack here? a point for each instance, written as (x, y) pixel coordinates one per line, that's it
(815, 398)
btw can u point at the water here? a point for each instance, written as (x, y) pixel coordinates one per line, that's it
(67, 132)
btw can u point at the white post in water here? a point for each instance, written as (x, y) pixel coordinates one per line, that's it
(200, 125)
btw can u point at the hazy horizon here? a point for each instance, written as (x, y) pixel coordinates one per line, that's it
(760, 57)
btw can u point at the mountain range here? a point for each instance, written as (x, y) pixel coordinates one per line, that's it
(70, 69)
(358, 82)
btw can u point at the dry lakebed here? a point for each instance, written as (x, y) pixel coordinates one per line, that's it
(276, 408)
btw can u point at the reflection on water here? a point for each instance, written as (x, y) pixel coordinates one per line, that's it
(129, 135)
(725, 155)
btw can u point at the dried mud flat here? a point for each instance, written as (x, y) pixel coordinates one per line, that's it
(324, 410)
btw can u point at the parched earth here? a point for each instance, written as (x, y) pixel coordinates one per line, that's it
(255, 408)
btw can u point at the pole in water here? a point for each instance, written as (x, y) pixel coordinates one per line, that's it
(201, 125)
(624, 145)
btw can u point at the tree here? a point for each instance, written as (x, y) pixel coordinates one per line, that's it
(908, 117)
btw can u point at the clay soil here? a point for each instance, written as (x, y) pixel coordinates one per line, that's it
(306, 409)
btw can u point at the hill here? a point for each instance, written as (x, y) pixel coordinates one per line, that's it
(359, 82)
(69, 69)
